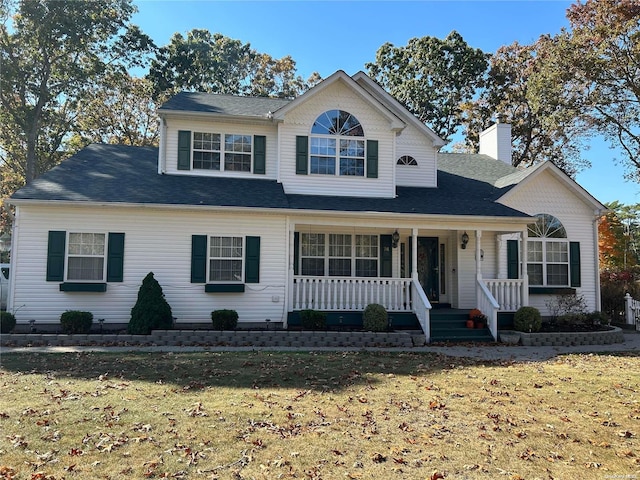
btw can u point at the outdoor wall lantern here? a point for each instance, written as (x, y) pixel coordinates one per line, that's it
(465, 240)
(395, 238)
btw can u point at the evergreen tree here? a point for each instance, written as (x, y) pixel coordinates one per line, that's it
(151, 311)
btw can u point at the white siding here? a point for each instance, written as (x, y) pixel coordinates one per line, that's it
(155, 241)
(210, 126)
(376, 127)
(415, 144)
(547, 194)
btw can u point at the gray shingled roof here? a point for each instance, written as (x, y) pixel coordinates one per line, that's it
(223, 104)
(124, 174)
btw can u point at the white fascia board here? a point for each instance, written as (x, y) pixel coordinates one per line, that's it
(578, 190)
(395, 122)
(189, 115)
(285, 211)
(399, 109)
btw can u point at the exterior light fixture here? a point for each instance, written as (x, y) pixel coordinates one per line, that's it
(465, 240)
(395, 238)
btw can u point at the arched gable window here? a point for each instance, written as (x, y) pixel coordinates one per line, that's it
(337, 138)
(407, 160)
(548, 252)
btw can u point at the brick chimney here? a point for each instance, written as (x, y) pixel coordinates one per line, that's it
(495, 142)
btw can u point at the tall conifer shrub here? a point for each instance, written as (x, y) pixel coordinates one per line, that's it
(151, 311)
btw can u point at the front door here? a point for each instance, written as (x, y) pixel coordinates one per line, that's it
(428, 267)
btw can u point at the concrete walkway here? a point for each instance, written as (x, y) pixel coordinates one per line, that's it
(497, 351)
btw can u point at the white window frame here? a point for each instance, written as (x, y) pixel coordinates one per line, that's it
(326, 250)
(548, 231)
(229, 258)
(69, 255)
(223, 152)
(339, 142)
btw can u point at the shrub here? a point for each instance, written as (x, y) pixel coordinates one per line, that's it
(614, 284)
(224, 319)
(7, 322)
(151, 310)
(75, 321)
(566, 304)
(375, 318)
(527, 319)
(313, 320)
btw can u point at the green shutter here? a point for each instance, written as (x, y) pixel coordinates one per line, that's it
(513, 262)
(296, 253)
(115, 257)
(259, 154)
(252, 260)
(302, 154)
(55, 256)
(574, 263)
(184, 150)
(198, 259)
(372, 159)
(386, 269)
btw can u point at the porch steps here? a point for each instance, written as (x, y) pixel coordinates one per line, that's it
(450, 325)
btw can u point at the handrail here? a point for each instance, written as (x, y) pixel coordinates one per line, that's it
(489, 306)
(421, 306)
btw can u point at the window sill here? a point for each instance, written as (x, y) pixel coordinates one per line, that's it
(551, 290)
(83, 287)
(224, 288)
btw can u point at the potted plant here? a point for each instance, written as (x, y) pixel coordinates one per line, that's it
(480, 320)
(473, 313)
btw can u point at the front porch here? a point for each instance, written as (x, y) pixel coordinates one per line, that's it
(417, 270)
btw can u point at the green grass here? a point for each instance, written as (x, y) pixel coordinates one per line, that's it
(332, 415)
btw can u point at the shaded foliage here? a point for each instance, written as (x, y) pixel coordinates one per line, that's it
(432, 77)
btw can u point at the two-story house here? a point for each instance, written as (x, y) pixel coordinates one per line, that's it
(331, 201)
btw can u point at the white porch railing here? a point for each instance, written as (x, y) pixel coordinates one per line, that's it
(349, 293)
(632, 311)
(489, 306)
(421, 307)
(508, 293)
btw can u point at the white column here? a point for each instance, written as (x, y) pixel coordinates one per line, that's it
(291, 227)
(478, 264)
(523, 268)
(414, 252)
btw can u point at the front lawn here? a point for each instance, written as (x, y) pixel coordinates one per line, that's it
(265, 415)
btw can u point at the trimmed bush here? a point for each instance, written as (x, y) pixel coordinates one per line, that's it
(375, 318)
(151, 311)
(527, 319)
(224, 319)
(7, 322)
(313, 320)
(75, 321)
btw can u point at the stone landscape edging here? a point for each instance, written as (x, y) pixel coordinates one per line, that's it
(566, 339)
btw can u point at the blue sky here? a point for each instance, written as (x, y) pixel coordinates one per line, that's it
(326, 36)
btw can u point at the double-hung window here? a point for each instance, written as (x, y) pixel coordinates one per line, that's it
(225, 259)
(86, 257)
(339, 255)
(337, 145)
(215, 151)
(548, 253)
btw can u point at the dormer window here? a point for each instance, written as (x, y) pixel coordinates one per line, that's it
(208, 149)
(337, 139)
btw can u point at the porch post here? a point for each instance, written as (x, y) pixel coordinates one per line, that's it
(478, 263)
(291, 227)
(523, 267)
(414, 252)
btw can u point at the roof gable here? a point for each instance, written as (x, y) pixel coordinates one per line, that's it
(537, 170)
(395, 122)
